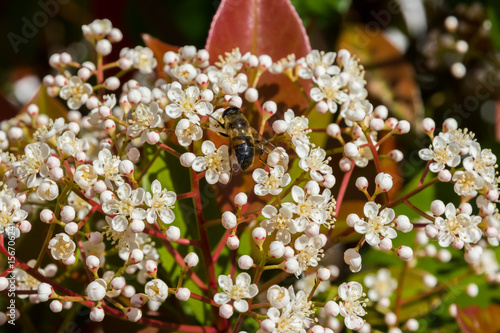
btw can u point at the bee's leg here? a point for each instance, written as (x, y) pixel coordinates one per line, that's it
(261, 149)
(222, 134)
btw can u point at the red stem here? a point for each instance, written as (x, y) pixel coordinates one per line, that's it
(340, 196)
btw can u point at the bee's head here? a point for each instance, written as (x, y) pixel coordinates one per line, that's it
(230, 111)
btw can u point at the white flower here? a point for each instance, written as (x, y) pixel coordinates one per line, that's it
(381, 285)
(106, 165)
(314, 161)
(33, 162)
(160, 204)
(297, 128)
(184, 73)
(357, 110)
(47, 190)
(157, 290)
(278, 296)
(76, 92)
(98, 29)
(460, 226)
(187, 103)
(353, 259)
(319, 60)
(306, 207)
(4, 142)
(442, 154)
(61, 247)
(281, 222)
(85, 176)
(272, 182)
(467, 183)
(96, 290)
(376, 225)
(351, 308)
(10, 212)
(187, 132)
(142, 58)
(215, 162)
(329, 89)
(48, 131)
(69, 144)
(125, 206)
(227, 80)
(481, 161)
(238, 291)
(144, 119)
(309, 251)
(286, 321)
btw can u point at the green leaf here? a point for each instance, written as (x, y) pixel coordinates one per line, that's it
(494, 16)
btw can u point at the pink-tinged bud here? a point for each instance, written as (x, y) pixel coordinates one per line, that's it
(412, 325)
(472, 290)
(71, 228)
(430, 280)
(128, 291)
(115, 35)
(473, 255)
(61, 80)
(235, 101)
(420, 237)
(390, 319)
(332, 309)
(383, 181)
(351, 150)
(80, 157)
(89, 193)
(265, 61)
(134, 314)
(224, 178)
(201, 80)
(183, 294)
(105, 144)
(245, 262)
(396, 155)
(84, 73)
(33, 110)
(376, 124)
(131, 269)
(55, 60)
(270, 107)
(48, 80)
(312, 229)
(15, 133)
(437, 208)
(45, 292)
(491, 232)
(95, 237)
(133, 154)
(134, 97)
(100, 186)
(151, 268)
(136, 256)
(391, 123)
(56, 173)
(112, 83)
(385, 244)
(402, 127)
(345, 164)
(173, 233)
(240, 199)
(93, 263)
(109, 125)
(171, 58)
(353, 259)
(458, 70)
(74, 127)
(444, 175)
(322, 107)
(96, 290)
(351, 219)
(457, 243)
(229, 220)
(191, 260)
(65, 58)
(443, 255)
(450, 124)
(75, 116)
(333, 130)
(492, 195)
(137, 226)
(428, 126)
(253, 61)
(465, 208)
(280, 126)
(226, 311)
(328, 181)
(251, 95)
(56, 306)
(47, 216)
(118, 283)
(96, 314)
(103, 47)
(91, 103)
(267, 325)
(289, 252)
(106, 195)
(233, 242)
(22, 197)
(402, 223)
(430, 250)
(381, 112)
(125, 63)
(361, 183)
(24, 226)
(405, 253)
(138, 300)
(290, 265)
(323, 274)
(276, 249)
(126, 167)
(68, 214)
(259, 236)
(187, 159)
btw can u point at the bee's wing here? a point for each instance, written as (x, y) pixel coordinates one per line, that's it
(278, 153)
(232, 157)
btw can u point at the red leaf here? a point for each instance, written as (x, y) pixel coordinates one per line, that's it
(474, 319)
(159, 48)
(263, 27)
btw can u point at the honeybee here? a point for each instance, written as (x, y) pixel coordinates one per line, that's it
(243, 139)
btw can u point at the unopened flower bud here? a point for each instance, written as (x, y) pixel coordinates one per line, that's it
(443, 255)
(437, 207)
(126, 167)
(15, 133)
(259, 236)
(328, 181)
(265, 61)
(430, 280)
(229, 220)
(312, 229)
(47, 216)
(270, 107)
(133, 154)
(103, 47)
(381, 112)
(191, 260)
(402, 223)
(321, 107)
(385, 244)
(240, 199)
(56, 306)
(71, 228)
(33, 110)
(391, 123)
(235, 101)
(187, 159)
(444, 175)
(383, 181)
(280, 126)
(24, 226)
(226, 311)
(233, 242)
(333, 130)
(267, 325)
(323, 274)
(251, 95)
(361, 183)
(96, 314)
(457, 243)
(405, 253)
(95, 237)
(332, 309)
(376, 124)
(390, 319)
(351, 219)
(112, 83)
(289, 252)
(134, 314)
(472, 290)
(173, 233)
(276, 249)
(183, 294)
(402, 127)
(345, 164)
(450, 124)
(290, 265)
(245, 262)
(458, 70)
(136, 256)
(118, 283)
(100, 186)
(93, 263)
(68, 214)
(428, 125)
(351, 150)
(465, 208)
(96, 290)
(137, 226)
(396, 155)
